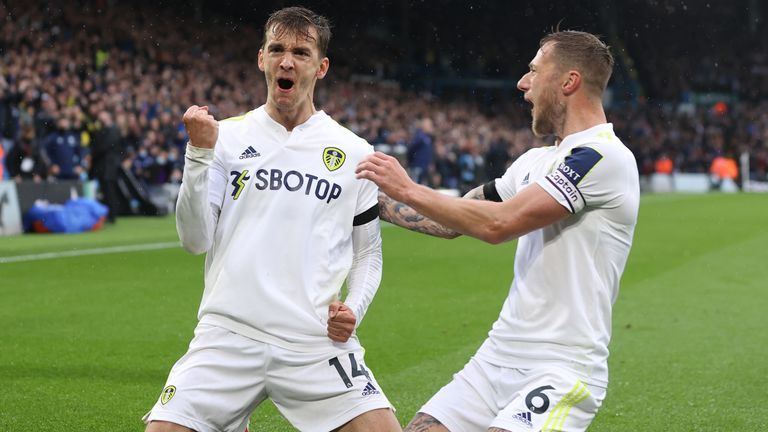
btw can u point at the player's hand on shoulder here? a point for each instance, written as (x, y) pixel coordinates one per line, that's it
(341, 322)
(388, 174)
(202, 128)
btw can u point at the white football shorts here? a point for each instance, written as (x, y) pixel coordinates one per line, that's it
(224, 376)
(483, 395)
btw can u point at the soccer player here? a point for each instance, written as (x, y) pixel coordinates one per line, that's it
(272, 197)
(573, 206)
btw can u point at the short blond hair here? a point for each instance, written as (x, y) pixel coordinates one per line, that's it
(584, 52)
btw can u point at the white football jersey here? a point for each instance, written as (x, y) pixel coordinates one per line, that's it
(558, 311)
(282, 246)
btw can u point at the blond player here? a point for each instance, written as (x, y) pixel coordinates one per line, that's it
(573, 206)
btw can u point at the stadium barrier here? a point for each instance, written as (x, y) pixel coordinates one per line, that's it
(10, 212)
(53, 192)
(685, 183)
(16, 199)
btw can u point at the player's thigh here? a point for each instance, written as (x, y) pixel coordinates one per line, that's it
(547, 400)
(468, 402)
(322, 392)
(422, 422)
(163, 426)
(378, 420)
(215, 385)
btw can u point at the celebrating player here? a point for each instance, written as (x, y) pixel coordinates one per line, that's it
(573, 207)
(271, 196)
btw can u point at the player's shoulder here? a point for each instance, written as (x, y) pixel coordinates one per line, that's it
(534, 151)
(343, 136)
(603, 140)
(236, 122)
(532, 154)
(232, 130)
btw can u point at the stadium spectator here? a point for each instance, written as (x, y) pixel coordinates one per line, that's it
(25, 160)
(2, 162)
(65, 152)
(446, 167)
(497, 157)
(545, 362)
(664, 164)
(723, 168)
(106, 161)
(421, 151)
(469, 161)
(271, 322)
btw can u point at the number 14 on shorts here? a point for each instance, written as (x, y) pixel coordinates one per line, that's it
(357, 370)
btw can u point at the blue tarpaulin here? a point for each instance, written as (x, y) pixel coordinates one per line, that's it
(75, 215)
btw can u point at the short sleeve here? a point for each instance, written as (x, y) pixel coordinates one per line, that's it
(366, 208)
(367, 203)
(586, 178)
(505, 185)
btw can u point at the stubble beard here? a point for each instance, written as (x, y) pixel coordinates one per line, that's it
(550, 114)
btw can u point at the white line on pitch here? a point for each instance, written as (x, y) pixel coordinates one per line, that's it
(106, 250)
(96, 251)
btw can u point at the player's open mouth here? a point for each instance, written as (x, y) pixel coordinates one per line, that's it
(284, 83)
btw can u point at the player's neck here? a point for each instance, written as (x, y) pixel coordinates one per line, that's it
(290, 118)
(581, 118)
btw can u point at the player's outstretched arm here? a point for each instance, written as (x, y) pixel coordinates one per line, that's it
(493, 222)
(405, 216)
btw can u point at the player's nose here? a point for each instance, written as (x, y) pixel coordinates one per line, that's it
(524, 83)
(286, 62)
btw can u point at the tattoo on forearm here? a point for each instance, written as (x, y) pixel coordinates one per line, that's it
(403, 215)
(422, 423)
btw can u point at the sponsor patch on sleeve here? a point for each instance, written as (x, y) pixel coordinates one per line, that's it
(567, 177)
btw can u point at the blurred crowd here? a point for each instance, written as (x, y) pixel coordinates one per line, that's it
(88, 88)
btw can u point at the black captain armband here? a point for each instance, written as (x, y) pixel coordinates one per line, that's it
(490, 192)
(366, 216)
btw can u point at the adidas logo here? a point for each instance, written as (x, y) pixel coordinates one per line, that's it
(524, 417)
(250, 152)
(524, 182)
(370, 390)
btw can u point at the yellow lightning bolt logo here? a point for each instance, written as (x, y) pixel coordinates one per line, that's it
(239, 182)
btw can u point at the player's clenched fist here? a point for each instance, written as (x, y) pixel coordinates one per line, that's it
(341, 322)
(202, 128)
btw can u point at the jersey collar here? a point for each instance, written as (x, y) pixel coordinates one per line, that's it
(586, 135)
(317, 117)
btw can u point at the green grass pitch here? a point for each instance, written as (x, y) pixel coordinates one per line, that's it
(86, 341)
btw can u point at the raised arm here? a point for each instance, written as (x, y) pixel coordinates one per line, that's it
(196, 216)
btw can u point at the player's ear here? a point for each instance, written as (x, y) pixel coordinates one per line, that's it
(572, 82)
(261, 59)
(323, 69)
